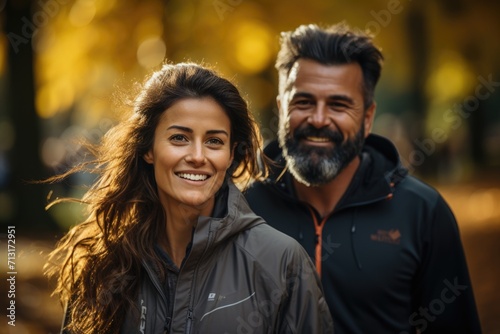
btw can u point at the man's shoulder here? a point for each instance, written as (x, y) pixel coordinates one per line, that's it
(259, 190)
(273, 203)
(418, 192)
(417, 187)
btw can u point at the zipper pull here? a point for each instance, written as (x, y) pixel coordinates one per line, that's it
(190, 321)
(166, 327)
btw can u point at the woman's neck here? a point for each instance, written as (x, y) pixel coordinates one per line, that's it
(181, 220)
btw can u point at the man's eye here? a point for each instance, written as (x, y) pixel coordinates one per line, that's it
(338, 105)
(303, 104)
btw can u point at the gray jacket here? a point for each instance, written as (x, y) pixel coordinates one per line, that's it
(240, 276)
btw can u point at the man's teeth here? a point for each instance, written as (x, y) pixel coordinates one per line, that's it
(193, 177)
(318, 139)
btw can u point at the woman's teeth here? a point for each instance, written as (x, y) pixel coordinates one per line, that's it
(193, 177)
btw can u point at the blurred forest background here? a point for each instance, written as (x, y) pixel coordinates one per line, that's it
(68, 67)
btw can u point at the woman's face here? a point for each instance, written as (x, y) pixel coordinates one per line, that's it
(191, 153)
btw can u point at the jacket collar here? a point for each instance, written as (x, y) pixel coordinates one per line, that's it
(232, 215)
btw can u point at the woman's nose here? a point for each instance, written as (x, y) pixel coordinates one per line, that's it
(196, 155)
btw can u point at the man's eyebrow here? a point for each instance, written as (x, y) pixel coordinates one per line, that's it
(189, 130)
(337, 97)
(302, 94)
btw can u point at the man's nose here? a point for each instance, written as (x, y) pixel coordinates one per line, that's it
(319, 117)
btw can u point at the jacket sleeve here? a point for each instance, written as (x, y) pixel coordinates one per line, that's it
(444, 300)
(304, 309)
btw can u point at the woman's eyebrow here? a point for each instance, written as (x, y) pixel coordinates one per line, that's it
(189, 130)
(214, 132)
(182, 128)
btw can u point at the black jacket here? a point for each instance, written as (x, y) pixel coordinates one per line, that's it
(391, 255)
(240, 276)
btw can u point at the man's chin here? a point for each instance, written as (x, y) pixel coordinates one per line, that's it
(308, 155)
(312, 179)
(312, 170)
(319, 149)
(306, 145)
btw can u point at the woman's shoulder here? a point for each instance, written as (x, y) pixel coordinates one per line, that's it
(264, 240)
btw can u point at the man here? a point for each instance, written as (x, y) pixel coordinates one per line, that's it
(386, 245)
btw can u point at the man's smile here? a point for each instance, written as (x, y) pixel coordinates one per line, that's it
(318, 139)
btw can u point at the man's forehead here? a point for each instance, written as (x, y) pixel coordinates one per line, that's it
(317, 76)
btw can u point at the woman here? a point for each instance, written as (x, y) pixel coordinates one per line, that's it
(170, 245)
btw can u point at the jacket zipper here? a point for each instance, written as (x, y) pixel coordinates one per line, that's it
(158, 288)
(190, 320)
(318, 226)
(319, 238)
(193, 285)
(166, 326)
(156, 284)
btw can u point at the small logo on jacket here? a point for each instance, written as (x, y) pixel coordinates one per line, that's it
(211, 297)
(393, 236)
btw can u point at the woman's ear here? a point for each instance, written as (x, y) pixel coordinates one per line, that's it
(148, 157)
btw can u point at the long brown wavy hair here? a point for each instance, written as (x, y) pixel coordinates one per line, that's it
(97, 264)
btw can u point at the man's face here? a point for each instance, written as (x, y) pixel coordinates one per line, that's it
(323, 121)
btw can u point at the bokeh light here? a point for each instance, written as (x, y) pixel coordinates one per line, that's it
(82, 12)
(483, 204)
(151, 52)
(450, 79)
(252, 46)
(53, 152)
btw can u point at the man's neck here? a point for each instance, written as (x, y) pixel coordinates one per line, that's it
(324, 198)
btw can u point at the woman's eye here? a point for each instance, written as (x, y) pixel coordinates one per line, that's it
(177, 138)
(215, 141)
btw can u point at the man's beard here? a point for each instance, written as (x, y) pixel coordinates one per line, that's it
(313, 165)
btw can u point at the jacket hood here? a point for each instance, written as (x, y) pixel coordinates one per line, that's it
(379, 172)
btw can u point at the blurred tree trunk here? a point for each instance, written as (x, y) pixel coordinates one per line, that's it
(417, 41)
(477, 120)
(24, 159)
